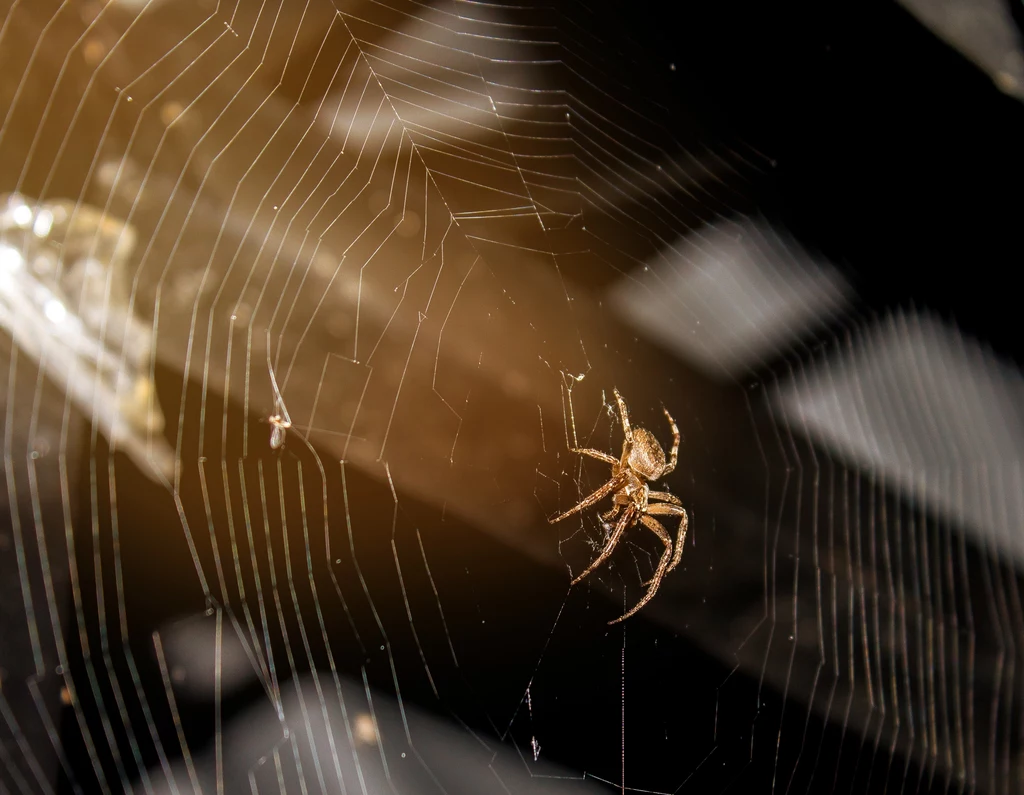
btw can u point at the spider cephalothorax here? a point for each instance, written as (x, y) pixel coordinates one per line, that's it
(642, 460)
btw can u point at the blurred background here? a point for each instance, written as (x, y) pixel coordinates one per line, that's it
(305, 303)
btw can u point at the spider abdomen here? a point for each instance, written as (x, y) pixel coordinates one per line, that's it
(646, 457)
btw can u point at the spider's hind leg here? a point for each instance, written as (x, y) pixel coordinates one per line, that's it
(655, 526)
(666, 557)
(666, 509)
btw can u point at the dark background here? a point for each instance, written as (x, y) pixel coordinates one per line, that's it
(896, 156)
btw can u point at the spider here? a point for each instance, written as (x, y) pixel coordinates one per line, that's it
(281, 420)
(642, 460)
(277, 433)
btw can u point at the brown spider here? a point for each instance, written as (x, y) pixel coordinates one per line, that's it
(642, 460)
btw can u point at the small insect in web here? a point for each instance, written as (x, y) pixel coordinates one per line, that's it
(280, 420)
(642, 460)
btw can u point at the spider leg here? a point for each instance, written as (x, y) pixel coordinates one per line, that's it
(598, 454)
(613, 541)
(609, 515)
(624, 414)
(664, 496)
(601, 493)
(664, 509)
(663, 566)
(659, 530)
(673, 457)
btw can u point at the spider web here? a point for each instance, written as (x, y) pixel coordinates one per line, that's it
(306, 306)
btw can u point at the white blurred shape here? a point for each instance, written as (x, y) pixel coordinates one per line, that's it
(20, 213)
(731, 296)
(191, 649)
(63, 299)
(43, 223)
(940, 417)
(983, 31)
(10, 261)
(55, 311)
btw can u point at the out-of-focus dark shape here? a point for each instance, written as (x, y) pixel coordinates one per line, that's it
(349, 738)
(42, 445)
(205, 653)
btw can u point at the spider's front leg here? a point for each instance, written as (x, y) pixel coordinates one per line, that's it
(600, 494)
(600, 455)
(673, 456)
(624, 414)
